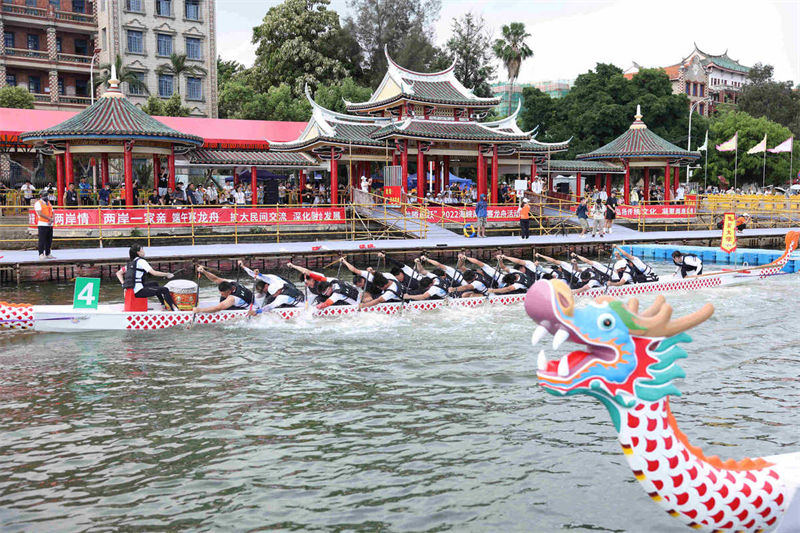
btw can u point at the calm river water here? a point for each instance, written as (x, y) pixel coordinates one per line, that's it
(431, 422)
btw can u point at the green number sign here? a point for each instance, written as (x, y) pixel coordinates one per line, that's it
(87, 292)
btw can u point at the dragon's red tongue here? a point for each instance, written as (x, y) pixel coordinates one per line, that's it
(575, 358)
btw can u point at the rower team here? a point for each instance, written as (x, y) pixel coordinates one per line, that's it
(427, 279)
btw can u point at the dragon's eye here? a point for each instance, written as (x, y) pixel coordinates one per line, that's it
(605, 322)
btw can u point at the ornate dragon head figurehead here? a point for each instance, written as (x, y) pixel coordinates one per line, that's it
(626, 355)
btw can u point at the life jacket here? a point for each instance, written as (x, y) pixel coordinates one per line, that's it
(345, 289)
(394, 288)
(47, 210)
(525, 279)
(133, 274)
(600, 275)
(291, 290)
(690, 269)
(241, 292)
(456, 280)
(491, 282)
(642, 276)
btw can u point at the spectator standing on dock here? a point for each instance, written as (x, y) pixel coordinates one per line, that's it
(680, 194)
(44, 224)
(482, 211)
(104, 195)
(163, 183)
(583, 215)
(84, 190)
(603, 195)
(635, 196)
(598, 216)
(212, 196)
(525, 219)
(27, 191)
(238, 196)
(611, 211)
(179, 195)
(536, 186)
(71, 198)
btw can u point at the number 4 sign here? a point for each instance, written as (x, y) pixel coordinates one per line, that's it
(87, 292)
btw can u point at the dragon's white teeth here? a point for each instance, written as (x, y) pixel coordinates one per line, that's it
(563, 367)
(538, 333)
(541, 361)
(559, 338)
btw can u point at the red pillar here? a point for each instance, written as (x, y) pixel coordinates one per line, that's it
(421, 174)
(68, 169)
(677, 175)
(334, 178)
(254, 186)
(156, 171)
(495, 176)
(481, 173)
(404, 165)
(446, 172)
(598, 181)
(171, 168)
(127, 155)
(627, 187)
(667, 179)
(608, 184)
(302, 182)
(578, 188)
(646, 193)
(60, 179)
(103, 169)
(394, 158)
(533, 169)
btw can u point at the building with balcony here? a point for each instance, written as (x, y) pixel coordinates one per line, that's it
(47, 47)
(705, 79)
(144, 33)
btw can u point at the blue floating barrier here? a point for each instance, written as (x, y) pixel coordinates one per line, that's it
(763, 259)
(708, 256)
(722, 258)
(661, 253)
(750, 257)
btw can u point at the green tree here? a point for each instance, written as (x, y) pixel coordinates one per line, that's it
(300, 42)
(178, 67)
(278, 103)
(512, 50)
(16, 97)
(227, 71)
(725, 125)
(333, 96)
(232, 96)
(171, 107)
(775, 100)
(405, 27)
(124, 75)
(471, 47)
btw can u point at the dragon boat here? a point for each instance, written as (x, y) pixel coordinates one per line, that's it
(628, 360)
(64, 318)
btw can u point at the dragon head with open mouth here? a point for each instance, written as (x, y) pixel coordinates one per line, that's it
(626, 354)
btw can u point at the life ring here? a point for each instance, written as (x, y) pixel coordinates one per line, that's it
(470, 231)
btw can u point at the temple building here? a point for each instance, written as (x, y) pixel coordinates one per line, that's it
(426, 120)
(705, 78)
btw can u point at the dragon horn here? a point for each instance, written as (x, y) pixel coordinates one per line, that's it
(655, 306)
(633, 305)
(660, 325)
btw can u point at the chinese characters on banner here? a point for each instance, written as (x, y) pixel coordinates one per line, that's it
(175, 217)
(466, 214)
(728, 244)
(655, 211)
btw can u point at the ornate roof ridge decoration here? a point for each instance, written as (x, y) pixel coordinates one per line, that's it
(638, 142)
(723, 60)
(408, 80)
(113, 117)
(508, 122)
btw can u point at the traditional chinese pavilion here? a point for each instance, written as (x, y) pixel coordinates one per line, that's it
(111, 127)
(639, 147)
(428, 117)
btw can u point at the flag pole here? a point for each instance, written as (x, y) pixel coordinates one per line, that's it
(764, 166)
(736, 163)
(705, 175)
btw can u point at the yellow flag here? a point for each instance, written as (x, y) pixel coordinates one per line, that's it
(728, 244)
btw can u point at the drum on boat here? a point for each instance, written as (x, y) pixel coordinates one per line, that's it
(184, 292)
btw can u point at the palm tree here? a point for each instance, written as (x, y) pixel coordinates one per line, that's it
(177, 66)
(124, 74)
(512, 50)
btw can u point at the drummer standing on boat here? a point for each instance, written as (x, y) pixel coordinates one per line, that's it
(44, 224)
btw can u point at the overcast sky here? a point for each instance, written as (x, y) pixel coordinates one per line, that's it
(569, 37)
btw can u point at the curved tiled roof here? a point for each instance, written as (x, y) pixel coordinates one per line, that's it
(435, 129)
(563, 165)
(112, 116)
(638, 142)
(249, 158)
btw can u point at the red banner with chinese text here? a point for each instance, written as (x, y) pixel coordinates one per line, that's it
(183, 217)
(655, 211)
(464, 214)
(728, 243)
